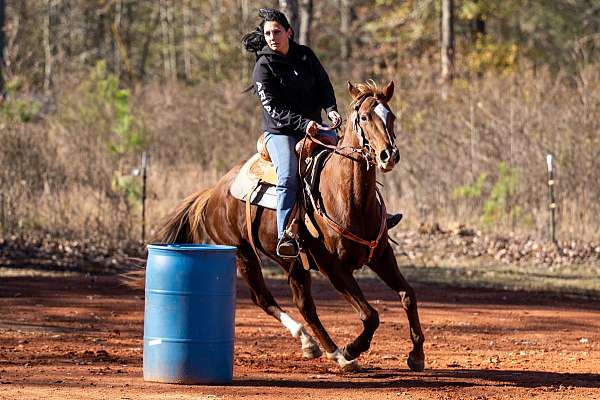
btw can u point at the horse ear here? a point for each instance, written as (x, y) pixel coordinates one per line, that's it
(354, 92)
(388, 91)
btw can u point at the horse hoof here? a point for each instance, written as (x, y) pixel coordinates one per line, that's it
(352, 366)
(311, 352)
(344, 364)
(417, 365)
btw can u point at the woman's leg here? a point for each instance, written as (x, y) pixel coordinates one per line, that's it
(282, 152)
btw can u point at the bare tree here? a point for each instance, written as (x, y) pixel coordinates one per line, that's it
(345, 28)
(290, 9)
(215, 12)
(306, 15)
(48, 29)
(187, 34)
(168, 38)
(447, 48)
(2, 45)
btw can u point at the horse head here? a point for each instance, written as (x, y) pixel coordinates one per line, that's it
(373, 123)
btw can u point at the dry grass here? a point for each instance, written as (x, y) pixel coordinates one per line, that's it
(56, 172)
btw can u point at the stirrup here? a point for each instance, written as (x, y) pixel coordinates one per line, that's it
(288, 248)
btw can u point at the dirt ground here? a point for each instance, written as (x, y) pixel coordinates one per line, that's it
(81, 338)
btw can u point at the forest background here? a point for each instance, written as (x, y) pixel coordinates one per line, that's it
(484, 91)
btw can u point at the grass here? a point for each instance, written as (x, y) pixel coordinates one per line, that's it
(573, 280)
(576, 280)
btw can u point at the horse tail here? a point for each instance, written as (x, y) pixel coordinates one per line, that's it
(183, 225)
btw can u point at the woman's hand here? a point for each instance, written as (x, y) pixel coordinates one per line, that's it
(335, 118)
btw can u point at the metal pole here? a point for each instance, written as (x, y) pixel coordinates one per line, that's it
(144, 179)
(552, 206)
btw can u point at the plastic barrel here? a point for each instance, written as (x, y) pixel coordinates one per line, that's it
(189, 316)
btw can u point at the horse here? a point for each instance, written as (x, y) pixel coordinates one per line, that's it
(352, 214)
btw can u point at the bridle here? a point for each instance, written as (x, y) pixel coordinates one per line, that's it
(365, 151)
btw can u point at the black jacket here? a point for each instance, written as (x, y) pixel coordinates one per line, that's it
(293, 89)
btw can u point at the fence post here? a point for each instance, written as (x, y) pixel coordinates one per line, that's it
(2, 215)
(552, 206)
(144, 179)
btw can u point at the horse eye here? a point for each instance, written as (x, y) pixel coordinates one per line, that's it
(363, 118)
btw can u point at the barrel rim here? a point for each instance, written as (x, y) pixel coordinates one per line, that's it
(190, 247)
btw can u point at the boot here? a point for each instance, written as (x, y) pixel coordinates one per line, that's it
(391, 220)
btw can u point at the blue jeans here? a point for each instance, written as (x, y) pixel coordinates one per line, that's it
(283, 154)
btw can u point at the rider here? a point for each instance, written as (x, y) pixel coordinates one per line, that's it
(293, 88)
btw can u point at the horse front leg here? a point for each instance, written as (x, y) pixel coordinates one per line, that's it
(300, 283)
(345, 283)
(386, 267)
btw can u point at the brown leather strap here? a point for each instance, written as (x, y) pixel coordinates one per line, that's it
(249, 222)
(304, 261)
(371, 244)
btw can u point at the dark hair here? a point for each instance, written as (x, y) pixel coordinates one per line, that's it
(255, 40)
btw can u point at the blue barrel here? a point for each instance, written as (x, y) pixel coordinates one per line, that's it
(189, 316)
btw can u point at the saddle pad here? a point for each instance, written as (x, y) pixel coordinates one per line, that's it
(246, 180)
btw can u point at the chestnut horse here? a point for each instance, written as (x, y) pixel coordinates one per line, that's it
(351, 211)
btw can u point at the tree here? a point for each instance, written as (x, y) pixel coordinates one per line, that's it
(49, 44)
(2, 45)
(345, 28)
(168, 40)
(447, 53)
(306, 14)
(290, 9)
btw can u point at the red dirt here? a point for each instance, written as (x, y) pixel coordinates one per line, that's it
(81, 338)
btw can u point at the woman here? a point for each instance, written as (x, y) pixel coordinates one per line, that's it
(293, 88)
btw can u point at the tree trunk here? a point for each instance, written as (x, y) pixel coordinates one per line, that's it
(145, 52)
(290, 9)
(245, 13)
(187, 34)
(447, 50)
(2, 45)
(118, 46)
(478, 27)
(168, 52)
(215, 11)
(306, 14)
(345, 29)
(48, 44)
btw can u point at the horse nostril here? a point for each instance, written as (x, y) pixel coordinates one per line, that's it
(384, 156)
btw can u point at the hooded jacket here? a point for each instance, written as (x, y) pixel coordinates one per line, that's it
(293, 89)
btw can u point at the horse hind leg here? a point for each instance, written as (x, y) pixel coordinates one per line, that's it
(249, 268)
(387, 269)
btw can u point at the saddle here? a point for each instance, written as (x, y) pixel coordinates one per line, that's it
(257, 178)
(256, 182)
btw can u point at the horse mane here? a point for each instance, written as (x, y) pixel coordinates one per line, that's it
(368, 88)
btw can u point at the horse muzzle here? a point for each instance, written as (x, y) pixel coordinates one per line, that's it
(388, 158)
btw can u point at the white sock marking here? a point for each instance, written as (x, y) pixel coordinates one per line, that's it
(294, 327)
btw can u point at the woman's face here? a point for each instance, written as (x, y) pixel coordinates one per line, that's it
(277, 37)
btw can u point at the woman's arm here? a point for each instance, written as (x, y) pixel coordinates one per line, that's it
(279, 115)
